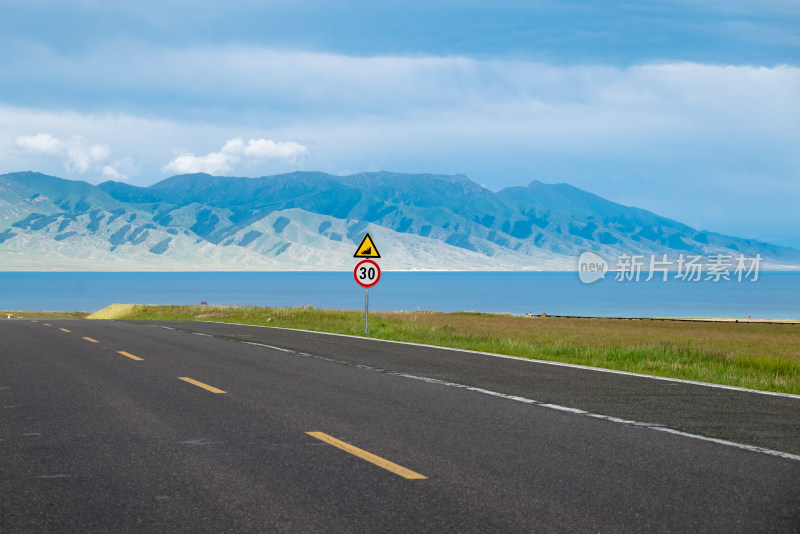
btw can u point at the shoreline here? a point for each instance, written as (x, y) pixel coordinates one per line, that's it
(682, 319)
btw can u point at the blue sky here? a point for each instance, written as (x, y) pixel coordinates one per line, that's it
(686, 108)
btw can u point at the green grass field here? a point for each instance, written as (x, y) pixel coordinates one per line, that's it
(752, 355)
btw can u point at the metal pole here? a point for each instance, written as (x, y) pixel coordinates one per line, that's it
(366, 310)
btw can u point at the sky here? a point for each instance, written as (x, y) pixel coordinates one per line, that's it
(688, 109)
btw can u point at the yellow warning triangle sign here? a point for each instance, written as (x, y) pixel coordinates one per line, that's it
(367, 249)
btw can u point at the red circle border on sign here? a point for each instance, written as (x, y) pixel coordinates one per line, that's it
(355, 273)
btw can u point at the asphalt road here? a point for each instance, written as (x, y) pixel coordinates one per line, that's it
(203, 427)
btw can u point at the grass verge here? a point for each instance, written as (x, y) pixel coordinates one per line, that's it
(752, 355)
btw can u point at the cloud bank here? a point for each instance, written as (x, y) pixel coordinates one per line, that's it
(361, 112)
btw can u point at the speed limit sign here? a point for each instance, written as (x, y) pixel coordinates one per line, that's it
(367, 273)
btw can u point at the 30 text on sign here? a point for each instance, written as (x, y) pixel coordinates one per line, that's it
(367, 273)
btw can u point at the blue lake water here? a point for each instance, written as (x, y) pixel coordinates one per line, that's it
(773, 295)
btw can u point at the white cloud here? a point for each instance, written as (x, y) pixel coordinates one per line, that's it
(112, 174)
(266, 148)
(42, 143)
(75, 153)
(120, 170)
(234, 152)
(214, 163)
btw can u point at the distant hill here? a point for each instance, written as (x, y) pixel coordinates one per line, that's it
(314, 221)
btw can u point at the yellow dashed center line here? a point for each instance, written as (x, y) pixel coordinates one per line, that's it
(330, 440)
(212, 389)
(129, 355)
(368, 456)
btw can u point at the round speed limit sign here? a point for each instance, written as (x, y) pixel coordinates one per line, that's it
(367, 273)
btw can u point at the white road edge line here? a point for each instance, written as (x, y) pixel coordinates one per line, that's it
(268, 346)
(763, 450)
(530, 360)
(557, 407)
(608, 418)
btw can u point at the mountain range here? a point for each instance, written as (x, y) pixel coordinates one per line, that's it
(314, 221)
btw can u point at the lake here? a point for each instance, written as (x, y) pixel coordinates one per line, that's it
(773, 295)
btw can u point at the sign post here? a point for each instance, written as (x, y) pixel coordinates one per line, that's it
(367, 273)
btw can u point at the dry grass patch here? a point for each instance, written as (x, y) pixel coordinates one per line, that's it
(28, 314)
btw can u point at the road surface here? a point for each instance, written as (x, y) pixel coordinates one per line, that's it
(110, 426)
